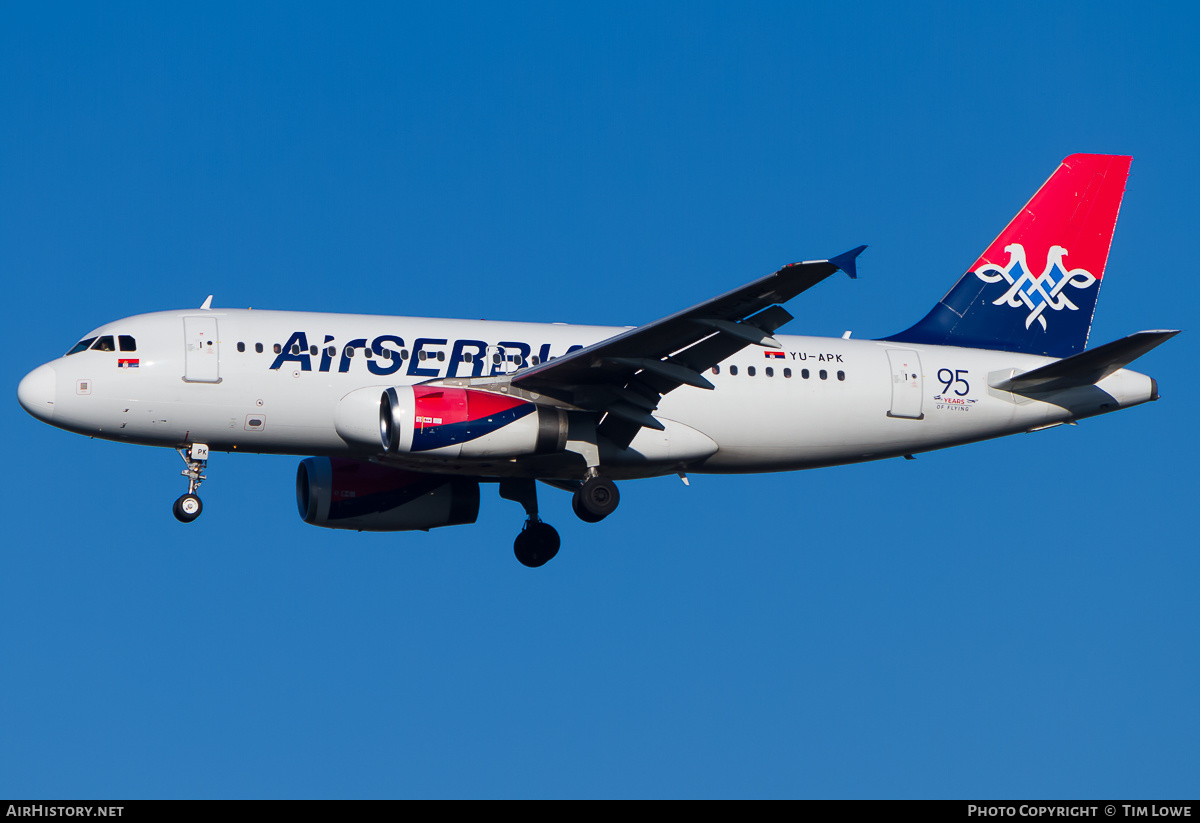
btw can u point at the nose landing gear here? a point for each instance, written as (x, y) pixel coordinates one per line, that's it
(188, 507)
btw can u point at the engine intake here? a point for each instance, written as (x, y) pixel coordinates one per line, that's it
(450, 422)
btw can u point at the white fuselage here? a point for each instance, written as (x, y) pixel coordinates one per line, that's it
(200, 377)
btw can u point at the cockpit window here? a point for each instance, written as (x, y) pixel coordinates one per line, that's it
(80, 346)
(104, 343)
(127, 343)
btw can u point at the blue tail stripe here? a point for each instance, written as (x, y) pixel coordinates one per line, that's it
(975, 315)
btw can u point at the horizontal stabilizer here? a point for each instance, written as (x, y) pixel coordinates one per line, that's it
(1086, 368)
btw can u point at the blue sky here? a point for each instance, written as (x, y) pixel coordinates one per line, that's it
(1010, 619)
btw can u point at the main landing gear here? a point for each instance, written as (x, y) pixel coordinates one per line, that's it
(188, 507)
(596, 499)
(538, 543)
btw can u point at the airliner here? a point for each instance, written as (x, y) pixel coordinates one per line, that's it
(402, 419)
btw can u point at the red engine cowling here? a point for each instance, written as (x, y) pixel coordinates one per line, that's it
(338, 493)
(449, 422)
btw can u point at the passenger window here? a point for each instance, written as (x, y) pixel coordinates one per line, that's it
(750, 371)
(733, 370)
(278, 348)
(841, 375)
(104, 343)
(82, 345)
(716, 369)
(241, 346)
(787, 372)
(349, 351)
(127, 343)
(824, 374)
(468, 357)
(804, 373)
(770, 372)
(258, 347)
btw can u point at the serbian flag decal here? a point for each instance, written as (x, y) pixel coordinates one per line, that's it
(127, 363)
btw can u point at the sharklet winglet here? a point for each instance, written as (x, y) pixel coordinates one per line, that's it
(846, 261)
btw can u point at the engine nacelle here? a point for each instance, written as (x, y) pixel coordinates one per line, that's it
(449, 422)
(338, 493)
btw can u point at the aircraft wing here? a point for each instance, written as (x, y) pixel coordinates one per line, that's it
(626, 375)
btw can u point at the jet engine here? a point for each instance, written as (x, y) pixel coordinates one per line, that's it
(450, 422)
(338, 493)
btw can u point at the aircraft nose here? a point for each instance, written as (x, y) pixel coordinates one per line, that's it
(36, 392)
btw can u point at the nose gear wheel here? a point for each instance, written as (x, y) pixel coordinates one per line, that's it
(188, 508)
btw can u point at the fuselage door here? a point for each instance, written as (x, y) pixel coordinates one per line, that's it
(906, 383)
(202, 354)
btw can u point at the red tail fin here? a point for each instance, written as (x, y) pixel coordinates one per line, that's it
(1034, 288)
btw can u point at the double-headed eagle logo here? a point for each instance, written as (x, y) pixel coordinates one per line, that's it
(1036, 293)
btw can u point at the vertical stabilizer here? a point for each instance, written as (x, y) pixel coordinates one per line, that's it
(1034, 289)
